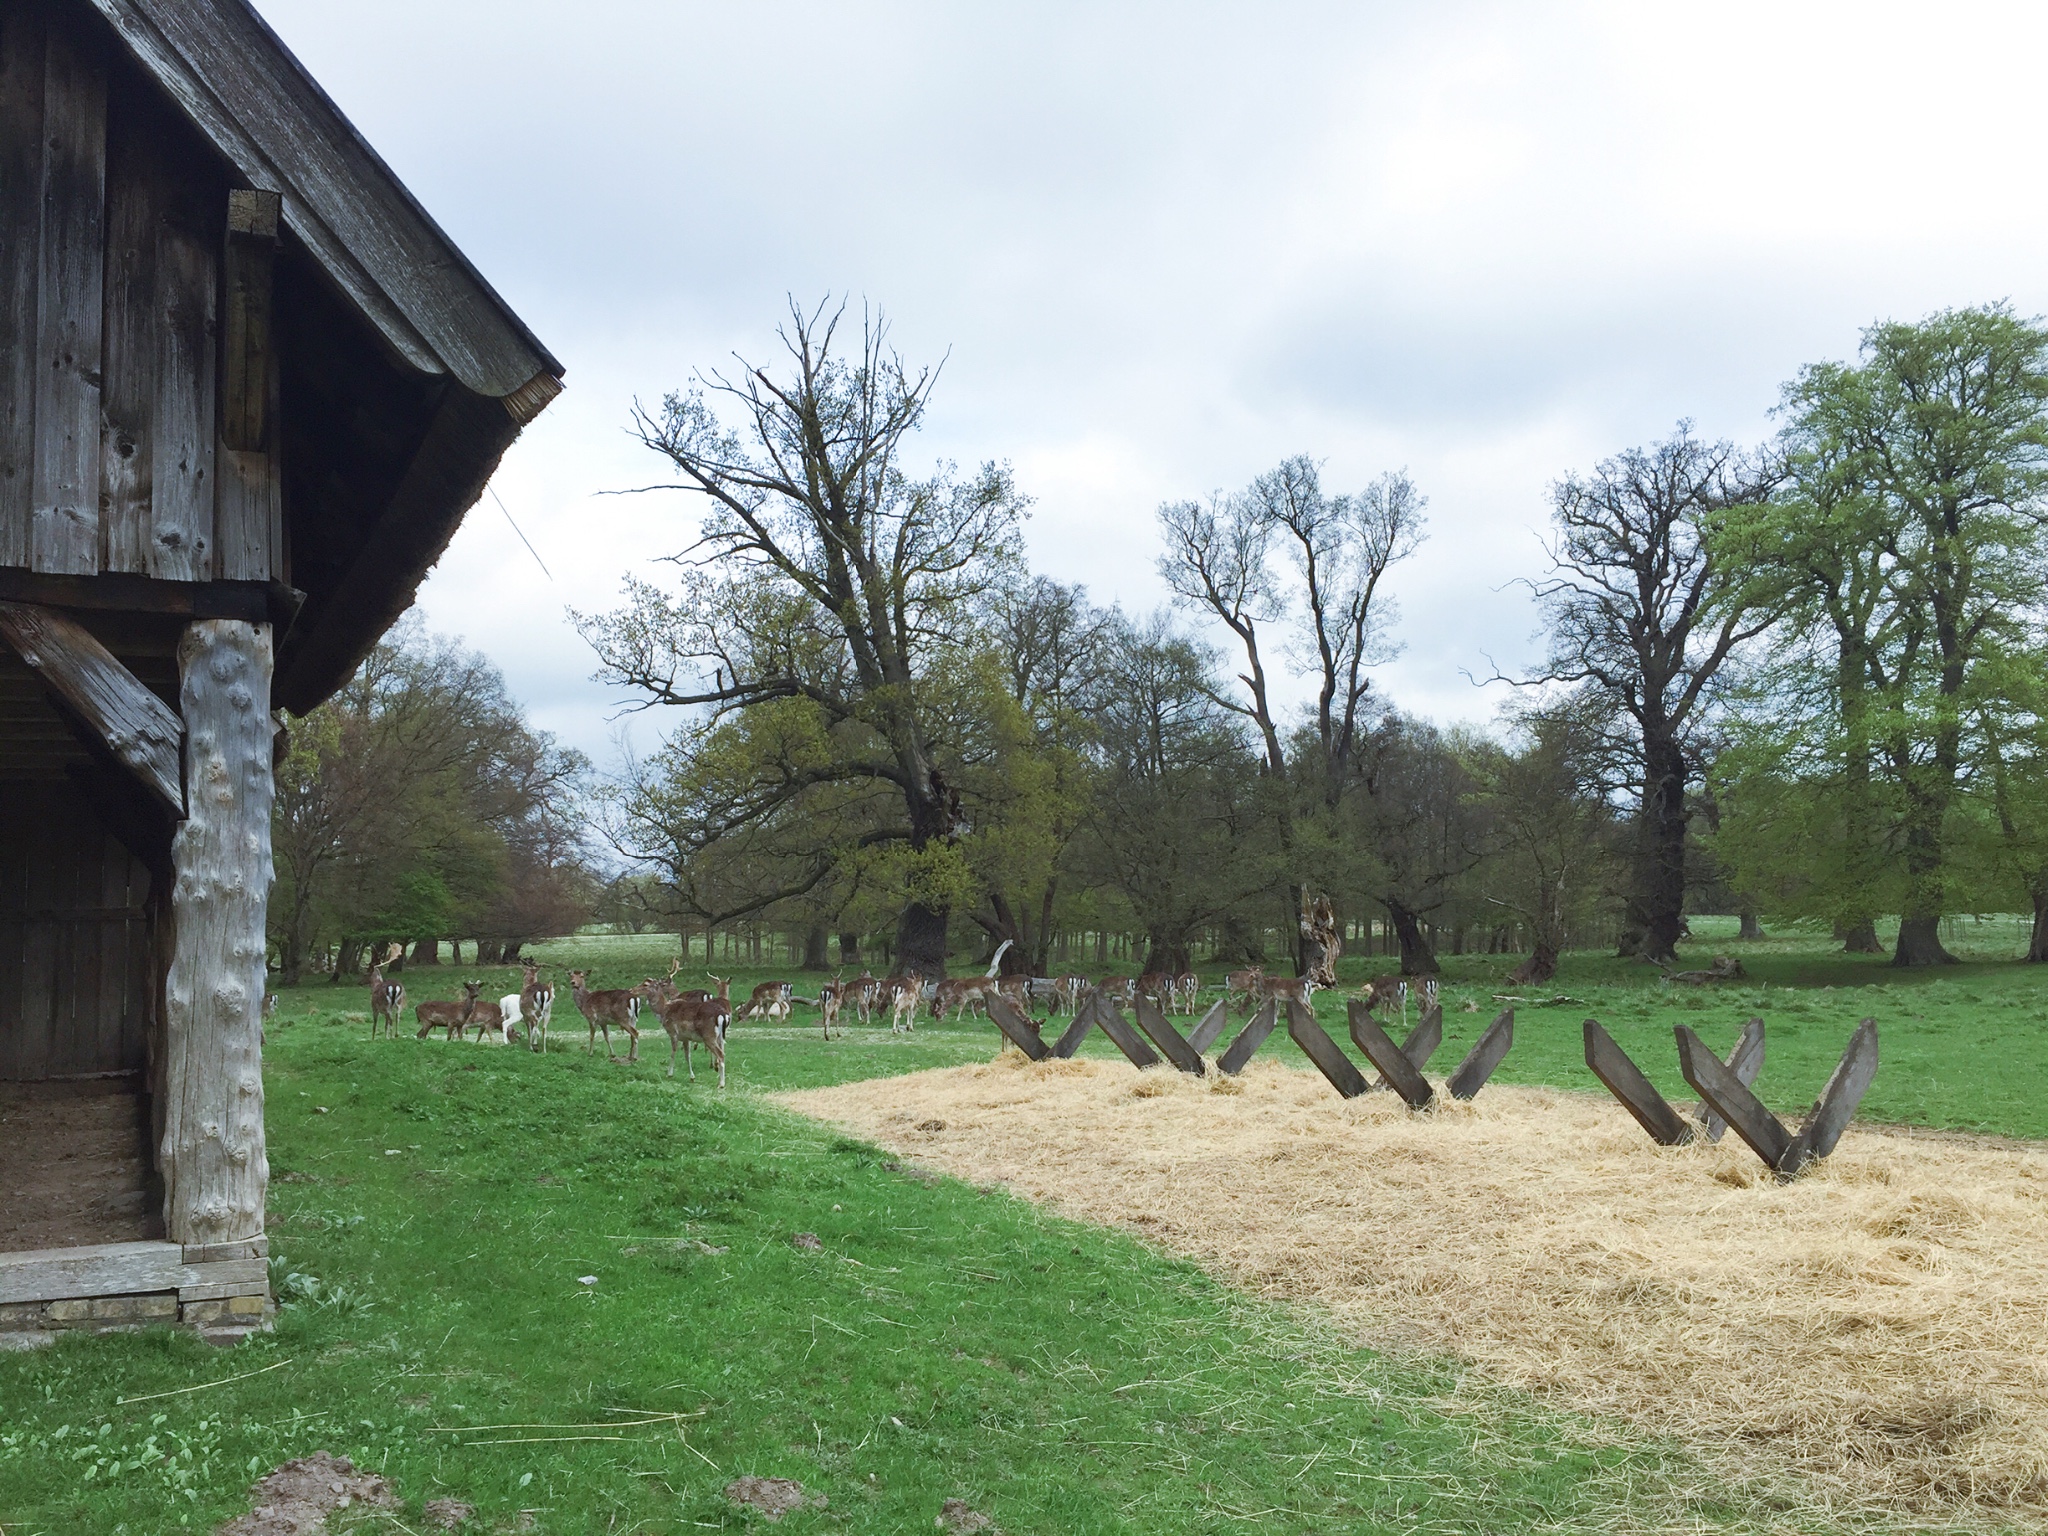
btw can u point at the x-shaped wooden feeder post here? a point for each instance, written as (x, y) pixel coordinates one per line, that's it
(1401, 1074)
(1784, 1152)
(1018, 1027)
(1210, 1030)
(1161, 1032)
(1250, 1038)
(1118, 1028)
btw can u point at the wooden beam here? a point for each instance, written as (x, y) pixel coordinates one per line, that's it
(1017, 1027)
(1077, 1030)
(1638, 1095)
(143, 733)
(1393, 1063)
(1210, 1029)
(1480, 1061)
(1318, 1047)
(1422, 1043)
(1127, 1039)
(248, 509)
(21, 216)
(1746, 1060)
(1250, 1038)
(1846, 1087)
(212, 1157)
(64, 530)
(253, 602)
(1731, 1099)
(1160, 1031)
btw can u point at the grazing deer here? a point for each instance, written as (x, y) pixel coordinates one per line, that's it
(1187, 992)
(1067, 991)
(1157, 985)
(691, 1019)
(1394, 991)
(1018, 990)
(770, 999)
(601, 1010)
(957, 994)
(1241, 988)
(387, 998)
(449, 1013)
(1118, 989)
(1287, 989)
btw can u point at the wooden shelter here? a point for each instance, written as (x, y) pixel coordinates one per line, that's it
(248, 390)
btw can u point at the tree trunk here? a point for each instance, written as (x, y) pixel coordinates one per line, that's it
(1322, 940)
(212, 1157)
(1417, 958)
(428, 952)
(1751, 927)
(348, 960)
(921, 941)
(1538, 968)
(1167, 949)
(849, 949)
(1859, 937)
(2037, 943)
(815, 939)
(1656, 904)
(1920, 943)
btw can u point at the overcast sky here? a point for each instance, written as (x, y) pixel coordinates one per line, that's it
(1168, 245)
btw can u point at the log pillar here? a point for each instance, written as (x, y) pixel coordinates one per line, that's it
(212, 1155)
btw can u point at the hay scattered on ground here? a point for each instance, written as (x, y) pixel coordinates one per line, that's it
(1881, 1324)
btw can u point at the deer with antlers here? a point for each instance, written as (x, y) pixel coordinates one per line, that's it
(696, 1018)
(387, 998)
(601, 1010)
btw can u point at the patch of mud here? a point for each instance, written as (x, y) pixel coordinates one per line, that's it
(772, 1496)
(297, 1498)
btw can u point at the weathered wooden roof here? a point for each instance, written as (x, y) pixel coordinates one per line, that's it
(244, 90)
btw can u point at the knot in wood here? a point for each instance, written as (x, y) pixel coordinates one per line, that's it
(241, 698)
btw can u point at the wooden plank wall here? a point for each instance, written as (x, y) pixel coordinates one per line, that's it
(110, 293)
(76, 955)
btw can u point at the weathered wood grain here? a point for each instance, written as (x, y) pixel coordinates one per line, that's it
(1423, 1042)
(1210, 1029)
(1250, 1038)
(144, 733)
(1746, 1060)
(247, 525)
(22, 51)
(1160, 1031)
(1125, 1038)
(1485, 1055)
(1018, 1028)
(1638, 1095)
(1392, 1062)
(122, 1269)
(64, 526)
(181, 541)
(1316, 1044)
(1731, 1099)
(1831, 1116)
(1077, 1029)
(213, 1163)
(137, 186)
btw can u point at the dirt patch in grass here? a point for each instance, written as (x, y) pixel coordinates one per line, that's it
(297, 1498)
(1881, 1324)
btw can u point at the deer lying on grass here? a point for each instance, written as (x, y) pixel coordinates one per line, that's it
(601, 1010)
(696, 1018)
(387, 998)
(448, 1013)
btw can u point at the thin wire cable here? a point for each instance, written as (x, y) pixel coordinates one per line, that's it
(522, 537)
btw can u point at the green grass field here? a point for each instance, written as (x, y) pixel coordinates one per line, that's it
(436, 1209)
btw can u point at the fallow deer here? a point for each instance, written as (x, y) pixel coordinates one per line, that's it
(770, 999)
(1241, 988)
(1158, 986)
(1187, 992)
(601, 1010)
(957, 994)
(832, 997)
(691, 1021)
(489, 1018)
(1394, 991)
(448, 1013)
(1068, 990)
(387, 998)
(536, 1005)
(1287, 989)
(867, 995)
(903, 994)
(1118, 989)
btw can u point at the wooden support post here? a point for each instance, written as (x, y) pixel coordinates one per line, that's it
(248, 514)
(1625, 1080)
(1318, 1047)
(1731, 1099)
(1127, 1039)
(1250, 1038)
(1159, 1029)
(1745, 1061)
(144, 733)
(1846, 1087)
(1018, 1028)
(1084, 1020)
(1210, 1029)
(1422, 1043)
(1393, 1063)
(1480, 1061)
(212, 1158)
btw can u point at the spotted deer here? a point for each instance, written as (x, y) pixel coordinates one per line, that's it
(1187, 992)
(1241, 988)
(832, 997)
(536, 1005)
(1287, 989)
(601, 1010)
(387, 998)
(696, 1018)
(903, 994)
(771, 999)
(448, 1013)
(1395, 991)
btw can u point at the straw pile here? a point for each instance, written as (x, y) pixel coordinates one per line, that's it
(1880, 1325)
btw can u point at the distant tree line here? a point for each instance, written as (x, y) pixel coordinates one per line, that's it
(1802, 679)
(418, 805)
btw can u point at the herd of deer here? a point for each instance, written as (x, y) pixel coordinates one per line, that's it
(698, 1017)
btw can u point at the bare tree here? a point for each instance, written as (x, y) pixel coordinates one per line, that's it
(822, 571)
(1642, 612)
